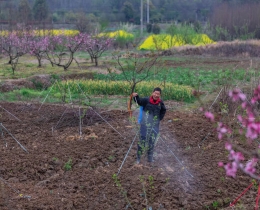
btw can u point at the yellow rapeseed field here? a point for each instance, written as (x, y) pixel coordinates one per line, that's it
(119, 33)
(101, 87)
(53, 32)
(56, 32)
(166, 41)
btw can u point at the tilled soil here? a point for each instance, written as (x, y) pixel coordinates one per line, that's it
(183, 176)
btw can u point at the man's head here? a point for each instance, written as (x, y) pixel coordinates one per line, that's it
(156, 93)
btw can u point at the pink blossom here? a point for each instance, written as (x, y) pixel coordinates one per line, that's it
(236, 95)
(220, 164)
(210, 116)
(252, 130)
(245, 105)
(231, 169)
(250, 122)
(240, 118)
(236, 156)
(250, 166)
(251, 117)
(221, 129)
(228, 146)
(256, 96)
(240, 131)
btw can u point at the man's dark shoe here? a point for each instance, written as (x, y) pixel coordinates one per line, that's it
(150, 159)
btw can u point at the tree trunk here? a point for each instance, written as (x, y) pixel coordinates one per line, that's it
(66, 66)
(39, 62)
(96, 61)
(133, 88)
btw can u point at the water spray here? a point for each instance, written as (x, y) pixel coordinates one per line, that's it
(16, 191)
(47, 96)
(69, 92)
(1, 125)
(53, 129)
(108, 123)
(127, 153)
(174, 155)
(102, 117)
(2, 135)
(10, 113)
(216, 98)
(80, 128)
(204, 139)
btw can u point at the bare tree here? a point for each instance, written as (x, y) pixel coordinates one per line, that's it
(136, 68)
(83, 23)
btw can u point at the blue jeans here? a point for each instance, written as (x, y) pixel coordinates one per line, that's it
(147, 140)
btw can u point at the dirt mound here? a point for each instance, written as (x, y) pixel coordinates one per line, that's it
(87, 75)
(65, 170)
(249, 48)
(34, 82)
(41, 81)
(37, 81)
(10, 85)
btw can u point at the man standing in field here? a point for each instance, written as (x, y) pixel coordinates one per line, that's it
(153, 112)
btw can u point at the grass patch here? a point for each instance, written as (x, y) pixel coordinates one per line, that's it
(28, 66)
(31, 95)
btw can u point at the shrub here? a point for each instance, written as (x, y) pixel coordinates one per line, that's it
(156, 29)
(149, 28)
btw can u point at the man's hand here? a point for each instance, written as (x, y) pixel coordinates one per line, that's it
(135, 94)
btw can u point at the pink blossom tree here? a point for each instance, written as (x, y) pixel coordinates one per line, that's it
(96, 46)
(39, 47)
(249, 127)
(63, 49)
(14, 45)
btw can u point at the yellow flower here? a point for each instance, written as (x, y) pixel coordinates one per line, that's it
(166, 41)
(119, 33)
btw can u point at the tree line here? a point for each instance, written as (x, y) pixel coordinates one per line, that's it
(230, 19)
(114, 10)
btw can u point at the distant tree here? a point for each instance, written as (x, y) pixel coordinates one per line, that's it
(96, 46)
(38, 46)
(12, 14)
(116, 4)
(83, 23)
(24, 12)
(149, 27)
(14, 45)
(40, 10)
(128, 10)
(240, 21)
(63, 48)
(71, 17)
(156, 29)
